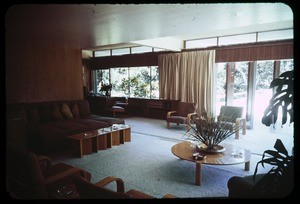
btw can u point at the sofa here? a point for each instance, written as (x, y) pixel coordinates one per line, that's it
(47, 124)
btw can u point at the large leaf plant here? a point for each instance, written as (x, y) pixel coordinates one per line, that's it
(279, 181)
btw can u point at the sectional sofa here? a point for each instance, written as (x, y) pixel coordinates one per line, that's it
(47, 124)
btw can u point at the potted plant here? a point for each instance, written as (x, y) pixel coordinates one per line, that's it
(107, 88)
(278, 182)
(209, 133)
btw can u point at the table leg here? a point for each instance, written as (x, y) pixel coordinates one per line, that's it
(80, 148)
(109, 140)
(247, 166)
(198, 173)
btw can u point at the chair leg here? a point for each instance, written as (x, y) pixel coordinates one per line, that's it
(237, 135)
(168, 125)
(188, 127)
(244, 127)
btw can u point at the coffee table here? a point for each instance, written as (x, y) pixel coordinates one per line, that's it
(231, 155)
(91, 141)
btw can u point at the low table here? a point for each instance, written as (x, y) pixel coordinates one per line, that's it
(117, 134)
(101, 139)
(231, 155)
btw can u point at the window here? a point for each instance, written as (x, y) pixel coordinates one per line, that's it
(240, 84)
(119, 81)
(140, 49)
(102, 53)
(102, 78)
(139, 82)
(201, 43)
(240, 39)
(237, 39)
(122, 51)
(237, 92)
(276, 35)
(221, 86)
(286, 65)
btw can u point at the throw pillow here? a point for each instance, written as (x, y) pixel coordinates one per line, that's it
(66, 110)
(33, 116)
(84, 108)
(56, 114)
(75, 111)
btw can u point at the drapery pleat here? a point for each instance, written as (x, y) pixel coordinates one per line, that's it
(188, 77)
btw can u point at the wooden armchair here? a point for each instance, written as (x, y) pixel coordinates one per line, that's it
(232, 115)
(183, 115)
(29, 176)
(88, 190)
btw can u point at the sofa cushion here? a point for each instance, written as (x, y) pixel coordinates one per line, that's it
(66, 110)
(84, 108)
(69, 125)
(44, 139)
(108, 120)
(92, 124)
(56, 114)
(45, 113)
(33, 115)
(75, 110)
(176, 119)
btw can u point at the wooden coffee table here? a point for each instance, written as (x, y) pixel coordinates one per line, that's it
(231, 155)
(101, 139)
(88, 142)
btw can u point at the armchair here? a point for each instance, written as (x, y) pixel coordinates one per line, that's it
(29, 176)
(233, 117)
(183, 115)
(242, 187)
(88, 190)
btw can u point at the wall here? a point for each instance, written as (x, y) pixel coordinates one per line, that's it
(37, 72)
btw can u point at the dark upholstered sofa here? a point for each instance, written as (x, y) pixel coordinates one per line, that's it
(47, 124)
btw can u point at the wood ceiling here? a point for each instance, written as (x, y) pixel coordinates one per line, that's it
(103, 26)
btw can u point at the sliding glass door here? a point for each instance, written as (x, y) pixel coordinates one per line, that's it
(247, 84)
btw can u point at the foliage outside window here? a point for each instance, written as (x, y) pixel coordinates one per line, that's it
(135, 82)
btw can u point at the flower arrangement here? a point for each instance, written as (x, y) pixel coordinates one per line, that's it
(209, 132)
(107, 88)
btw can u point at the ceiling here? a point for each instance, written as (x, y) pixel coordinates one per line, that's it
(104, 26)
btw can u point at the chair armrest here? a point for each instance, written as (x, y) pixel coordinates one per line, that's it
(44, 161)
(189, 117)
(62, 175)
(239, 187)
(169, 196)
(109, 179)
(170, 113)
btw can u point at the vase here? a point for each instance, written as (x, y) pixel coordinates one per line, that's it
(214, 149)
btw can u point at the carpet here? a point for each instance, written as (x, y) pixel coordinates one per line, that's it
(147, 164)
(256, 140)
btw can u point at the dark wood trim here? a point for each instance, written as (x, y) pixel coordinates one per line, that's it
(251, 94)
(276, 69)
(230, 69)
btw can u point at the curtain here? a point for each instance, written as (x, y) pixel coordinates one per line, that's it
(188, 77)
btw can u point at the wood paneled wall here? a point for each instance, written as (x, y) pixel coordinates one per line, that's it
(37, 72)
(255, 52)
(144, 59)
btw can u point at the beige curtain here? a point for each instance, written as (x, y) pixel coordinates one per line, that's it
(188, 77)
